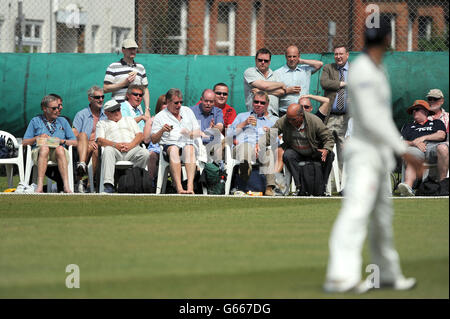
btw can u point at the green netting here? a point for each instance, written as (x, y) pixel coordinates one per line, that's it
(26, 78)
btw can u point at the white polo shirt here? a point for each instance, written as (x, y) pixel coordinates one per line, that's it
(123, 131)
(174, 137)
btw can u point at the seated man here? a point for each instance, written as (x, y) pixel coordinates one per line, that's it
(84, 125)
(248, 128)
(304, 100)
(53, 130)
(120, 137)
(211, 123)
(305, 138)
(436, 100)
(132, 105)
(426, 140)
(229, 113)
(175, 128)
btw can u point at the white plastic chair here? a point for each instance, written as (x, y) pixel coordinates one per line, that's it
(163, 167)
(336, 176)
(9, 162)
(120, 165)
(30, 169)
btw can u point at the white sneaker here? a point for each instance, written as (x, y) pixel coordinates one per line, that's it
(405, 190)
(335, 286)
(401, 284)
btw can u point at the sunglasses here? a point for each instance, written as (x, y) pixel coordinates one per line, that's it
(98, 97)
(259, 102)
(433, 99)
(305, 106)
(137, 94)
(179, 102)
(263, 60)
(221, 93)
(54, 108)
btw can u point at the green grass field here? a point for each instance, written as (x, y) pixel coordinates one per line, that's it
(199, 247)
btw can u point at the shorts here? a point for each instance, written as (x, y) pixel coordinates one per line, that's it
(51, 155)
(430, 155)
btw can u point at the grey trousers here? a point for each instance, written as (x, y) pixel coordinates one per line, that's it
(337, 124)
(111, 155)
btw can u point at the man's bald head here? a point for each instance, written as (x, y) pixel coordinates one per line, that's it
(292, 56)
(294, 115)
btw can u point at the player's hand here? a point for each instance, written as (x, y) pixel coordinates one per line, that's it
(415, 162)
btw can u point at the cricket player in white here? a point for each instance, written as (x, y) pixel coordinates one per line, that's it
(369, 156)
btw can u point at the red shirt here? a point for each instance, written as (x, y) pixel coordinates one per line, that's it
(229, 114)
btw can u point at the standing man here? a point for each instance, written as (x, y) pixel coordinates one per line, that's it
(119, 75)
(334, 83)
(262, 78)
(369, 155)
(296, 75)
(120, 136)
(56, 133)
(436, 100)
(175, 128)
(229, 113)
(84, 128)
(248, 128)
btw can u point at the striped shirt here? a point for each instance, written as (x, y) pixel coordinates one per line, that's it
(118, 71)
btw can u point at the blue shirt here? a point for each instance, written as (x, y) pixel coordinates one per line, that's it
(334, 107)
(84, 120)
(127, 110)
(205, 119)
(58, 128)
(300, 76)
(251, 134)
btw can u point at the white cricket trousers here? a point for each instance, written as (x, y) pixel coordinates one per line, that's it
(367, 201)
(111, 155)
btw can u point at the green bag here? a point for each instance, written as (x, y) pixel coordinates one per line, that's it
(214, 178)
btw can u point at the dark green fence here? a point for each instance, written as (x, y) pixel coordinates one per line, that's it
(26, 78)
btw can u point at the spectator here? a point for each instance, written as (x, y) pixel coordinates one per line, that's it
(132, 105)
(175, 128)
(211, 123)
(248, 128)
(323, 108)
(261, 77)
(120, 136)
(334, 83)
(229, 113)
(426, 140)
(154, 148)
(50, 125)
(436, 100)
(119, 75)
(296, 75)
(305, 138)
(84, 128)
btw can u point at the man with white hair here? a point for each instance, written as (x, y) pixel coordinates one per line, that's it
(436, 100)
(120, 136)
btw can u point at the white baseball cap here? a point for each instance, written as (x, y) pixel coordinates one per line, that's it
(436, 93)
(129, 43)
(111, 105)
